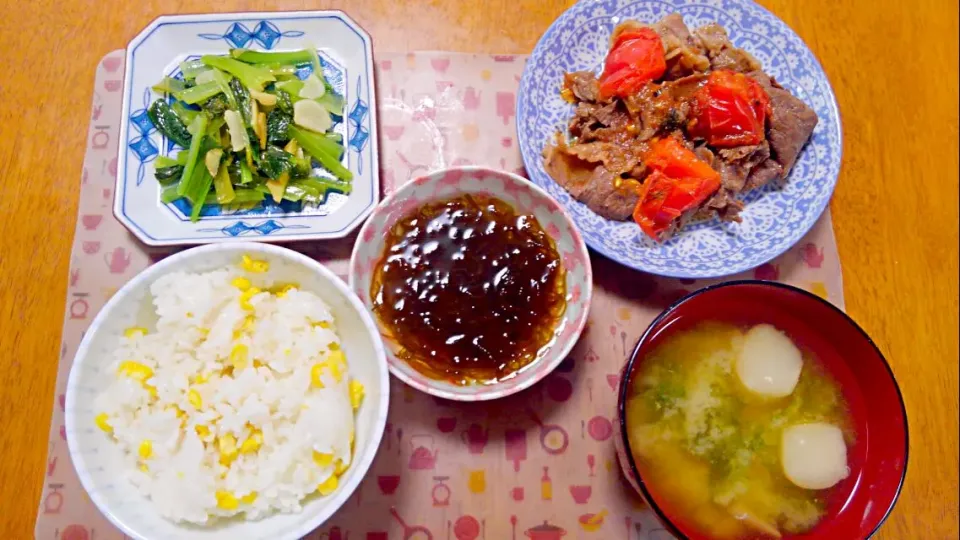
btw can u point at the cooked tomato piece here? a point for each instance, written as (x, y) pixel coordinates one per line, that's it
(635, 59)
(672, 158)
(679, 181)
(730, 110)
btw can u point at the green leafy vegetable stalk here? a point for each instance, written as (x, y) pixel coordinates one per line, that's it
(168, 123)
(254, 77)
(259, 57)
(236, 118)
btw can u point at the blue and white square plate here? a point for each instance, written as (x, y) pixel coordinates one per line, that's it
(774, 218)
(346, 56)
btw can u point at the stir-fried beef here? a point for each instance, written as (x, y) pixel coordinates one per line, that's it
(592, 184)
(722, 53)
(583, 84)
(603, 165)
(791, 123)
(683, 52)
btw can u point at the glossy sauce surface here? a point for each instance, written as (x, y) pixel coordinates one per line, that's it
(470, 289)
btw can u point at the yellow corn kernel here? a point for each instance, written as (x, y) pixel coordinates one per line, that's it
(339, 468)
(177, 411)
(336, 365)
(315, 373)
(254, 266)
(202, 431)
(334, 346)
(135, 370)
(226, 500)
(146, 449)
(323, 324)
(194, 398)
(356, 394)
(322, 459)
(227, 445)
(253, 443)
(246, 296)
(249, 498)
(101, 421)
(134, 331)
(246, 327)
(239, 356)
(241, 283)
(335, 370)
(282, 291)
(336, 355)
(331, 363)
(328, 486)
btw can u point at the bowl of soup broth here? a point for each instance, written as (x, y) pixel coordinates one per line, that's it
(755, 410)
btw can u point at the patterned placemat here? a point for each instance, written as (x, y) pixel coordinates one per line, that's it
(445, 470)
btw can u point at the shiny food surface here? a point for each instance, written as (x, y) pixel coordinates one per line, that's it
(469, 289)
(847, 43)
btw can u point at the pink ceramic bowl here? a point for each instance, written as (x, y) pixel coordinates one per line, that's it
(525, 197)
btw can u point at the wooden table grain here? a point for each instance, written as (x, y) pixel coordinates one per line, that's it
(893, 65)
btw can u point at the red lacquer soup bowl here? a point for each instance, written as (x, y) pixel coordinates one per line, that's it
(858, 505)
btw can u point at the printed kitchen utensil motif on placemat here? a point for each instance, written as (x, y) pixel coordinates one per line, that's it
(537, 465)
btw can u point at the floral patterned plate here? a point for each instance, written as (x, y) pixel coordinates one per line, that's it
(525, 198)
(346, 57)
(774, 218)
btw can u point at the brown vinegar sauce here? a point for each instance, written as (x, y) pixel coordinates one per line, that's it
(469, 289)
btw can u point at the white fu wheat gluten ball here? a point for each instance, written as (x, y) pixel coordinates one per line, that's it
(769, 363)
(814, 456)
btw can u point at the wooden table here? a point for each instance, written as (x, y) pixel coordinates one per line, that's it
(894, 69)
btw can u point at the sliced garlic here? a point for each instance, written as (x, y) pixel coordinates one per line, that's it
(311, 115)
(212, 161)
(238, 135)
(313, 88)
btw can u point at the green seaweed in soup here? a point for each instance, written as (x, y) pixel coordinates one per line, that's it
(710, 449)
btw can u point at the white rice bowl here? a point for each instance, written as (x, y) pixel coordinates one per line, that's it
(195, 314)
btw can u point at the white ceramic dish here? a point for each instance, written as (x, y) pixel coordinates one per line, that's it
(97, 460)
(347, 59)
(524, 197)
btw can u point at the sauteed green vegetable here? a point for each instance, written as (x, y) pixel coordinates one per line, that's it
(250, 128)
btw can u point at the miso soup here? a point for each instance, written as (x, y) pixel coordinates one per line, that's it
(737, 432)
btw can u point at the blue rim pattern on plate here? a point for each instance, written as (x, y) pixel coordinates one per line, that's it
(265, 33)
(775, 217)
